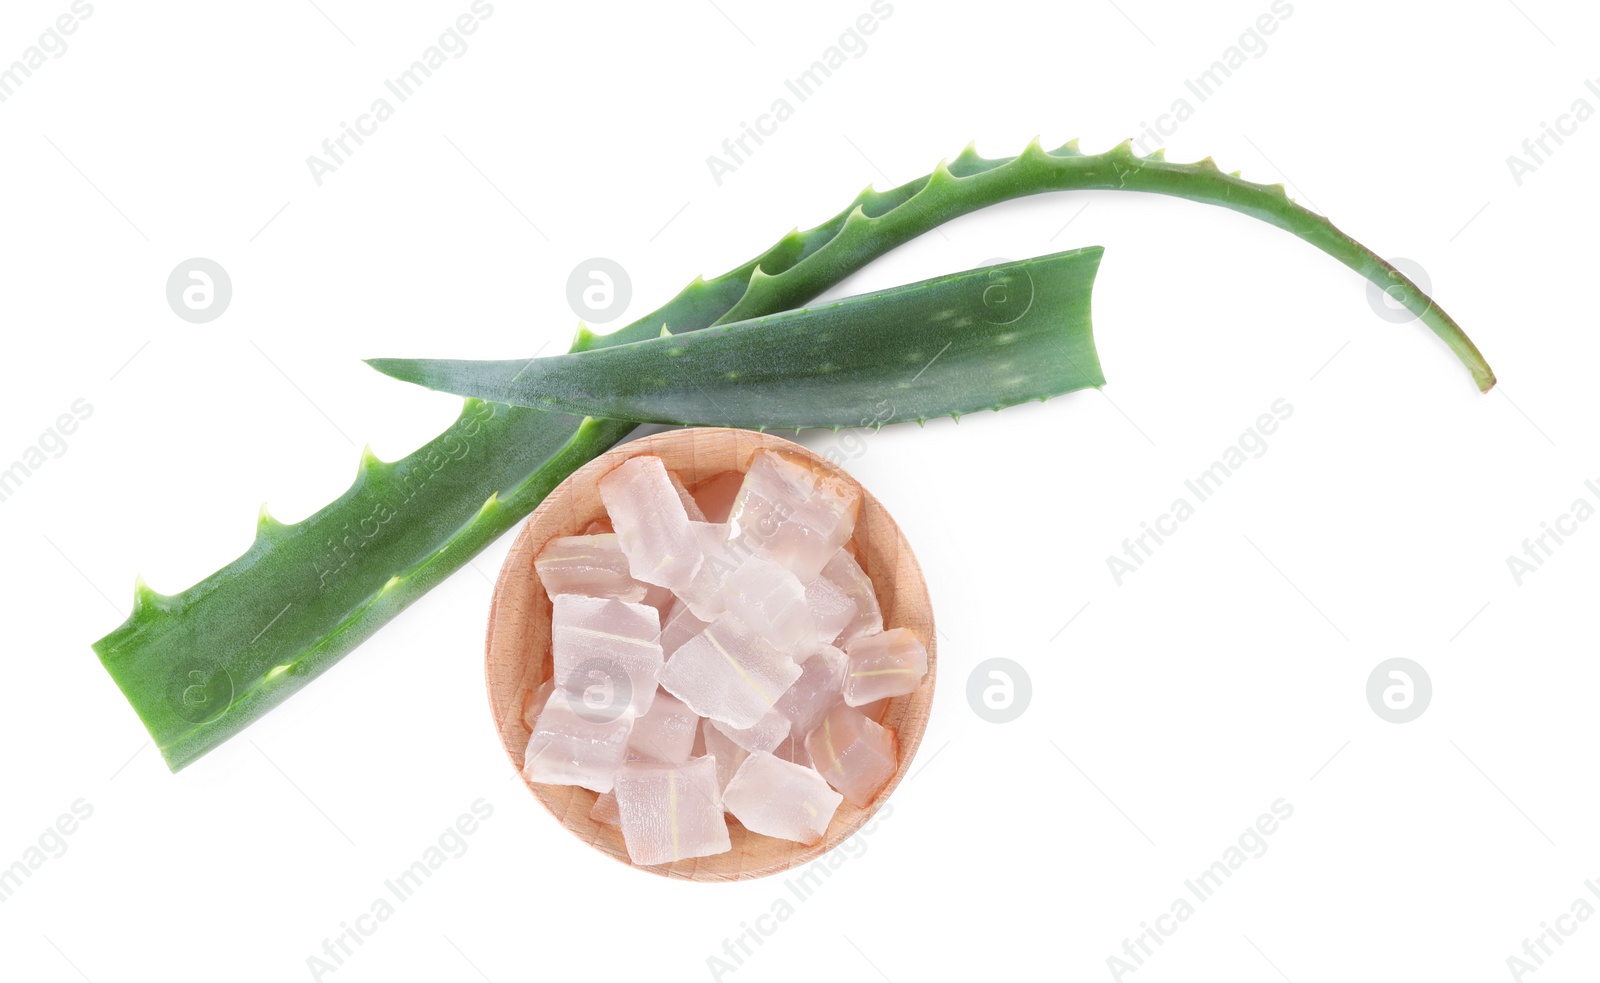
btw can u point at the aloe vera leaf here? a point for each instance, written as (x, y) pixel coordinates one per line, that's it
(970, 182)
(200, 665)
(983, 339)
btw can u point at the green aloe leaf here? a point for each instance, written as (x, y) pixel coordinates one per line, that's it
(983, 339)
(200, 665)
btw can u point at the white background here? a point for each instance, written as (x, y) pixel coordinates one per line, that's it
(1227, 673)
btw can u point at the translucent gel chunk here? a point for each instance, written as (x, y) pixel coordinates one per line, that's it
(606, 653)
(666, 732)
(728, 673)
(856, 755)
(671, 811)
(703, 591)
(843, 570)
(678, 627)
(652, 525)
(831, 608)
(720, 746)
(890, 663)
(792, 513)
(777, 798)
(536, 701)
(818, 689)
(767, 733)
(771, 602)
(590, 565)
(690, 506)
(568, 749)
(605, 809)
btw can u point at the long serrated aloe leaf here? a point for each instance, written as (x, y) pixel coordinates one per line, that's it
(200, 665)
(983, 339)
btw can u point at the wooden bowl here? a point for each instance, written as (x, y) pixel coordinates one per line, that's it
(518, 657)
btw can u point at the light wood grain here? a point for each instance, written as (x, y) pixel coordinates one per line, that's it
(518, 644)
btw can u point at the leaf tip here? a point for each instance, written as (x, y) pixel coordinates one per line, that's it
(394, 368)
